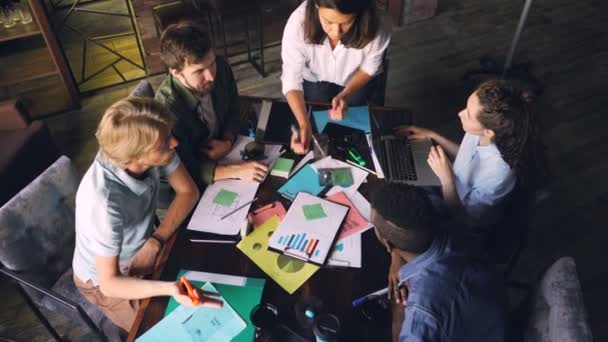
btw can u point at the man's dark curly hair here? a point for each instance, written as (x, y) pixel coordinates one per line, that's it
(409, 213)
(506, 111)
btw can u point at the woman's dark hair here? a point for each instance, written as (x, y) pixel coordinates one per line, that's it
(364, 29)
(505, 109)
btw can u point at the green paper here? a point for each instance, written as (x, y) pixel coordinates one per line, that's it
(198, 323)
(342, 177)
(225, 198)
(241, 298)
(313, 211)
(283, 165)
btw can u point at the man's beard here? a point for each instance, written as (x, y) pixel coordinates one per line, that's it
(202, 90)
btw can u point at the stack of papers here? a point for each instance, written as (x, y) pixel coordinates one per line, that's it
(197, 324)
(354, 223)
(242, 293)
(309, 229)
(347, 250)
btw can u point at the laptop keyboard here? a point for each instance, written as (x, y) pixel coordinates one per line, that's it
(399, 158)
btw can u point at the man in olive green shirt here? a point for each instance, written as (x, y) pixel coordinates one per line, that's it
(201, 91)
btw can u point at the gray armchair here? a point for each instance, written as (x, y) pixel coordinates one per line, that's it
(37, 237)
(143, 89)
(558, 309)
(554, 311)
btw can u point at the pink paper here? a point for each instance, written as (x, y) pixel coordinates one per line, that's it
(354, 223)
(261, 215)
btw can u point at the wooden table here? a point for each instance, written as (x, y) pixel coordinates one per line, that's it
(336, 287)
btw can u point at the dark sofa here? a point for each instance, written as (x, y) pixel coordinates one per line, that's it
(26, 149)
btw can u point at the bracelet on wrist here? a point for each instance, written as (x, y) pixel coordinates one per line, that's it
(160, 241)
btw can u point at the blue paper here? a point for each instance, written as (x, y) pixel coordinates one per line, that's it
(356, 117)
(241, 296)
(197, 324)
(305, 180)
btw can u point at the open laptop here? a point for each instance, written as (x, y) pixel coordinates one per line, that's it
(402, 160)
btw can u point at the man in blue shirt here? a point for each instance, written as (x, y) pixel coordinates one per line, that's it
(447, 293)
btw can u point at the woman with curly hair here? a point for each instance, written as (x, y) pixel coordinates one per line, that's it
(501, 150)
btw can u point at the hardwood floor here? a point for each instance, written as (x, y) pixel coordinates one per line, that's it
(567, 45)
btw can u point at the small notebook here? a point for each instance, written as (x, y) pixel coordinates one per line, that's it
(282, 167)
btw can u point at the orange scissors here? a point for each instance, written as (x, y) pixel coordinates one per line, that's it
(196, 300)
(191, 293)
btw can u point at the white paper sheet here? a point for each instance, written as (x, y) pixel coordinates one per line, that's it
(216, 278)
(271, 152)
(347, 252)
(301, 163)
(362, 204)
(359, 175)
(207, 215)
(306, 238)
(377, 167)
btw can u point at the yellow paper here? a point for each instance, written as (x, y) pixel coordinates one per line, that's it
(288, 272)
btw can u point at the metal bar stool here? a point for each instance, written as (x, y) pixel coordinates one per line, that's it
(221, 9)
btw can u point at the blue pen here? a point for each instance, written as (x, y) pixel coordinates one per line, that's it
(251, 129)
(370, 296)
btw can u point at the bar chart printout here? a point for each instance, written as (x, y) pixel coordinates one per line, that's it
(309, 228)
(301, 242)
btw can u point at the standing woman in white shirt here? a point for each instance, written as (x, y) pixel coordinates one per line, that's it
(501, 148)
(331, 52)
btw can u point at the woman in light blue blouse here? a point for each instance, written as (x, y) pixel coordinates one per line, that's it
(501, 149)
